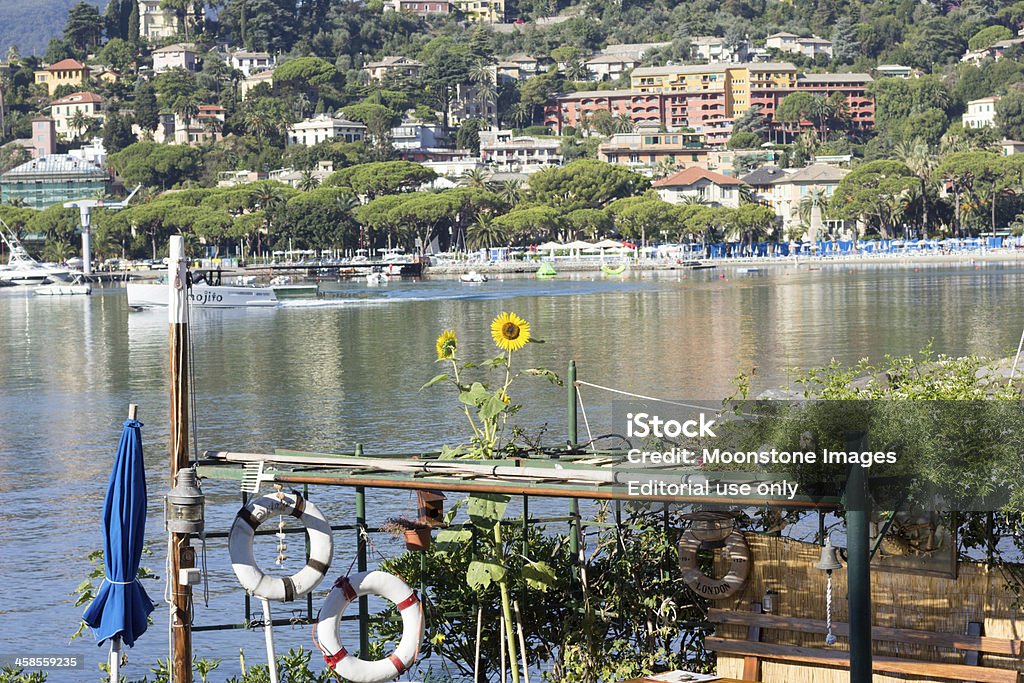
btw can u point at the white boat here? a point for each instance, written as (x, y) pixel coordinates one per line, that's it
(22, 269)
(473, 277)
(76, 286)
(375, 279)
(202, 295)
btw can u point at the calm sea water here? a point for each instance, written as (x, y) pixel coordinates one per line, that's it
(324, 375)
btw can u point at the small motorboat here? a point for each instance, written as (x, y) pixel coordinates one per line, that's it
(748, 269)
(204, 291)
(75, 286)
(376, 279)
(473, 277)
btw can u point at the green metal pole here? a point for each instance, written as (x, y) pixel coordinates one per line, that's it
(364, 603)
(570, 386)
(858, 568)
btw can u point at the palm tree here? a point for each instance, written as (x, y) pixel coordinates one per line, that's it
(921, 160)
(577, 70)
(821, 111)
(186, 109)
(511, 191)
(816, 199)
(266, 197)
(484, 232)
(308, 181)
(476, 177)
(486, 90)
(521, 114)
(79, 121)
(624, 123)
(258, 124)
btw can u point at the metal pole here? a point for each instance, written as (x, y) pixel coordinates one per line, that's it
(364, 603)
(570, 385)
(115, 659)
(182, 555)
(858, 568)
(85, 212)
(268, 634)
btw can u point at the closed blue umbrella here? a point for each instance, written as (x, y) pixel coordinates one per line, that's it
(121, 608)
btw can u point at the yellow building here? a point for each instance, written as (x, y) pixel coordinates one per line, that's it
(482, 11)
(736, 86)
(64, 72)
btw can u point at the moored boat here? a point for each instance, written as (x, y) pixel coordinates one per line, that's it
(202, 295)
(473, 277)
(76, 286)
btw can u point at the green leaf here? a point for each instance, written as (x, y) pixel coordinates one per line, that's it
(545, 373)
(539, 576)
(487, 509)
(439, 378)
(480, 575)
(449, 540)
(476, 395)
(491, 408)
(496, 362)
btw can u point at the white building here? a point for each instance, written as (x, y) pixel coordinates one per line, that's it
(712, 49)
(247, 84)
(393, 66)
(177, 56)
(416, 135)
(893, 71)
(250, 63)
(504, 151)
(94, 152)
(1010, 147)
(64, 110)
(699, 184)
(325, 127)
(981, 113)
(155, 22)
(790, 42)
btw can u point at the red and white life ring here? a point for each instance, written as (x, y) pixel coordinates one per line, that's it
(709, 587)
(344, 592)
(243, 531)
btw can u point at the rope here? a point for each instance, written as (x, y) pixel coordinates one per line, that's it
(830, 638)
(120, 583)
(580, 382)
(1013, 370)
(583, 409)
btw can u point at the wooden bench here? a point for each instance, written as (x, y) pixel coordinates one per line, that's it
(753, 650)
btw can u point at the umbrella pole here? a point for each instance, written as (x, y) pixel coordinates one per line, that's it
(268, 632)
(115, 659)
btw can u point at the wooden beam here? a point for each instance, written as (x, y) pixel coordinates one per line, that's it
(840, 659)
(971, 641)
(752, 663)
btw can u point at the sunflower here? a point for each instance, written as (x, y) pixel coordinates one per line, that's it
(446, 345)
(505, 398)
(510, 332)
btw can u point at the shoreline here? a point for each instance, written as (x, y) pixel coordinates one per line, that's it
(582, 266)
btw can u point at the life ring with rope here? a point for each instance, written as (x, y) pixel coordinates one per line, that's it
(243, 531)
(709, 587)
(346, 590)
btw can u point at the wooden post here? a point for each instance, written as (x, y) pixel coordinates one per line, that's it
(182, 555)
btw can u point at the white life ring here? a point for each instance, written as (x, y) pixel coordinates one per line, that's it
(711, 588)
(347, 589)
(243, 531)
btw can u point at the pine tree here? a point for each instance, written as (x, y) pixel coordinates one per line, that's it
(844, 41)
(133, 24)
(147, 113)
(112, 19)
